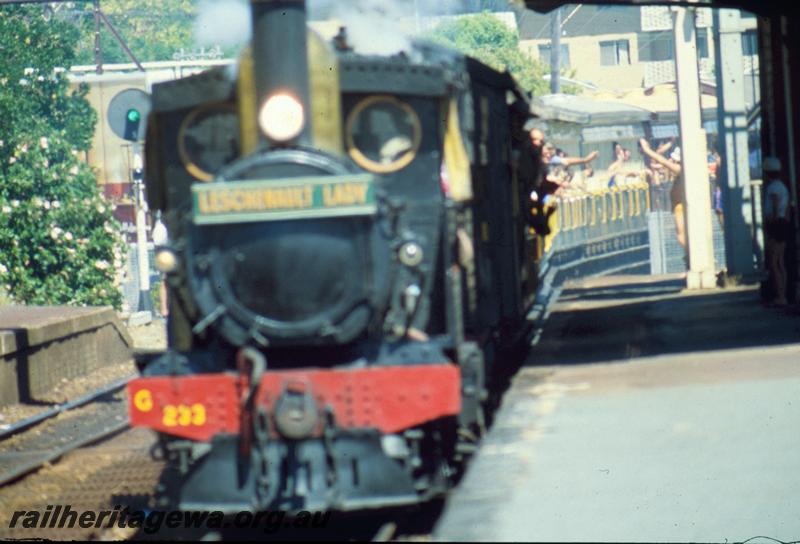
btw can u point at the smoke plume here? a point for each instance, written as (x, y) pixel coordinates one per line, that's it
(373, 25)
(222, 22)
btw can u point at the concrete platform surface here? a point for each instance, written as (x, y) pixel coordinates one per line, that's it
(685, 427)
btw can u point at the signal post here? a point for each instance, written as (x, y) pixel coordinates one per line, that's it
(127, 116)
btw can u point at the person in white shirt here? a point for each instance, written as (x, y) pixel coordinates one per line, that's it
(776, 226)
(161, 238)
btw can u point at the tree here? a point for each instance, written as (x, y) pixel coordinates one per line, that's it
(152, 29)
(58, 240)
(487, 39)
(156, 30)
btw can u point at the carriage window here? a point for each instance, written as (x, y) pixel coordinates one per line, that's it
(383, 134)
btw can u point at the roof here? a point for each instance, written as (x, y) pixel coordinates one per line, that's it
(588, 111)
(581, 20)
(660, 99)
(762, 6)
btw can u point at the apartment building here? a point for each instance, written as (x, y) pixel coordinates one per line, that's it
(623, 47)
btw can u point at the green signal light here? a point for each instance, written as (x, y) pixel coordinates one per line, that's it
(134, 116)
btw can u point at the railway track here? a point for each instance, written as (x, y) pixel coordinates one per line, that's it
(33, 442)
(101, 463)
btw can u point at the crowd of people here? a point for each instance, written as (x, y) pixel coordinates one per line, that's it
(563, 175)
(551, 173)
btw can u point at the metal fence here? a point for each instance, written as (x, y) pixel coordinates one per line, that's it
(666, 254)
(130, 279)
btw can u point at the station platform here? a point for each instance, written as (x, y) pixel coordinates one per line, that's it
(645, 413)
(43, 346)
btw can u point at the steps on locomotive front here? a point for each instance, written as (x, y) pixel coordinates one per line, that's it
(40, 346)
(635, 375)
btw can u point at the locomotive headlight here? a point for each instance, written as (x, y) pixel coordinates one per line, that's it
(281, 117)
(166, 261)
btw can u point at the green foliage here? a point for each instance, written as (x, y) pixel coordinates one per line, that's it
(155, 295)
(58, 239)
(487, 39)
(152, 29)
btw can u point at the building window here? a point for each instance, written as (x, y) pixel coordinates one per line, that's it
(702, 44)
(544, 55)
(615, 52)
(749, 43)
(658, 46)
(655, 47)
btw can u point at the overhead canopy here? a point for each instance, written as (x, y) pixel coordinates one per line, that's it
(587, 111)
(660, 100)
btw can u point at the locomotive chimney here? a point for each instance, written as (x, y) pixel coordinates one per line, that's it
(280, 62)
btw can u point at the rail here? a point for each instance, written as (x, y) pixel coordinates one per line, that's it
(23, 425)
(81, 426)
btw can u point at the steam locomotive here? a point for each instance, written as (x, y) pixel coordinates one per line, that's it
(347, 265)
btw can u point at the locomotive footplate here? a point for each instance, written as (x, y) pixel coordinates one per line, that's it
(317, 439)
(389, 399)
